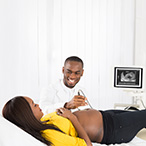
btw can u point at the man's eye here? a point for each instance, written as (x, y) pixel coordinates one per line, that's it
(69, 72)
(77, 73)
(35, 105)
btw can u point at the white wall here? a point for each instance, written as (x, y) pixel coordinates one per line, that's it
(140, 38)
(37, 36)
(101, 32)
(18, 49)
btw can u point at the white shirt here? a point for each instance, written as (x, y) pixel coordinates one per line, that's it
(56, 95)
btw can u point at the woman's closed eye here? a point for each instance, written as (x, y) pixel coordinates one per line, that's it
(34, 104)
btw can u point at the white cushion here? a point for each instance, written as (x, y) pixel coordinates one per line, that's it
(10, 134)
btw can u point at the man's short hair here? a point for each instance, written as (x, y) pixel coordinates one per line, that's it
(74, 58)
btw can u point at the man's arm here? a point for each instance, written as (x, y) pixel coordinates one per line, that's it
(77, 100)
(47, 97)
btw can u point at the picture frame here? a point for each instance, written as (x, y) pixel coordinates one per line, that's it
(128, 77)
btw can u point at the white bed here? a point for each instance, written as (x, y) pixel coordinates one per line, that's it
(11, 135)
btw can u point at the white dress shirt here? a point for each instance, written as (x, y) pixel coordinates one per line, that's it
(56, 95)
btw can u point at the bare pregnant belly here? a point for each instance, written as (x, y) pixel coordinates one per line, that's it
(92, 122)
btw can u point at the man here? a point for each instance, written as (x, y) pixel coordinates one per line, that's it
(64, 93)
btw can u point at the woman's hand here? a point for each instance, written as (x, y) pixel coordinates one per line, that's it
(64, 113)
(80, 130)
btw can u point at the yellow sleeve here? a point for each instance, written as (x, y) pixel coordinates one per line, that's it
(61, 139)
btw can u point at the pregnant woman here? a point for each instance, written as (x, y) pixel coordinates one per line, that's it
(81, 128)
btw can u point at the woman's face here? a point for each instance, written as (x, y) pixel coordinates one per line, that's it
(35, 108)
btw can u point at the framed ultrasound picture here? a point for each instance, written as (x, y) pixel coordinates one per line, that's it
(128, 77)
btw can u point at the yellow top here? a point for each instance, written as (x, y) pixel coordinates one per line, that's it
(68, 138)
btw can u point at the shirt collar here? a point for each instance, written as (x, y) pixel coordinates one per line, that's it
(67, 88)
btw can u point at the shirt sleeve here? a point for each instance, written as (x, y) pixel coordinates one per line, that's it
(47, 97)
(58, 138)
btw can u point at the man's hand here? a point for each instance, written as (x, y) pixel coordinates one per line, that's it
(77, 100)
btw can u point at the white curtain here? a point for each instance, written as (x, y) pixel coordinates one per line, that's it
(36, 36)
(101, 32)
(18, 49)
(140, 39)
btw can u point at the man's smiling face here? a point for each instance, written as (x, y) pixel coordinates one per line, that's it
(72, 71)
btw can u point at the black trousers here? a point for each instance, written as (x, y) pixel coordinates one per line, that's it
(122, 126)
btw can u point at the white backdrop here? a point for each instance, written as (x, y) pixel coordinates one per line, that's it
(36, 36)
(140, 38)
(101, 32)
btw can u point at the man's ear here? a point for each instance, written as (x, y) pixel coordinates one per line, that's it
(82, 72)
(63, 70)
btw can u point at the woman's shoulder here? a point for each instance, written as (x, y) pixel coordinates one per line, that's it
(48, 116)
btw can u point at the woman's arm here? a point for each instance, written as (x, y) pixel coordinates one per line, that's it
(80, 130)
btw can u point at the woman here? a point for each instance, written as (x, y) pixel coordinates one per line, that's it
(63, 128)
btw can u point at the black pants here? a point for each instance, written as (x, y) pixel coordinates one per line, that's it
(122, 126)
